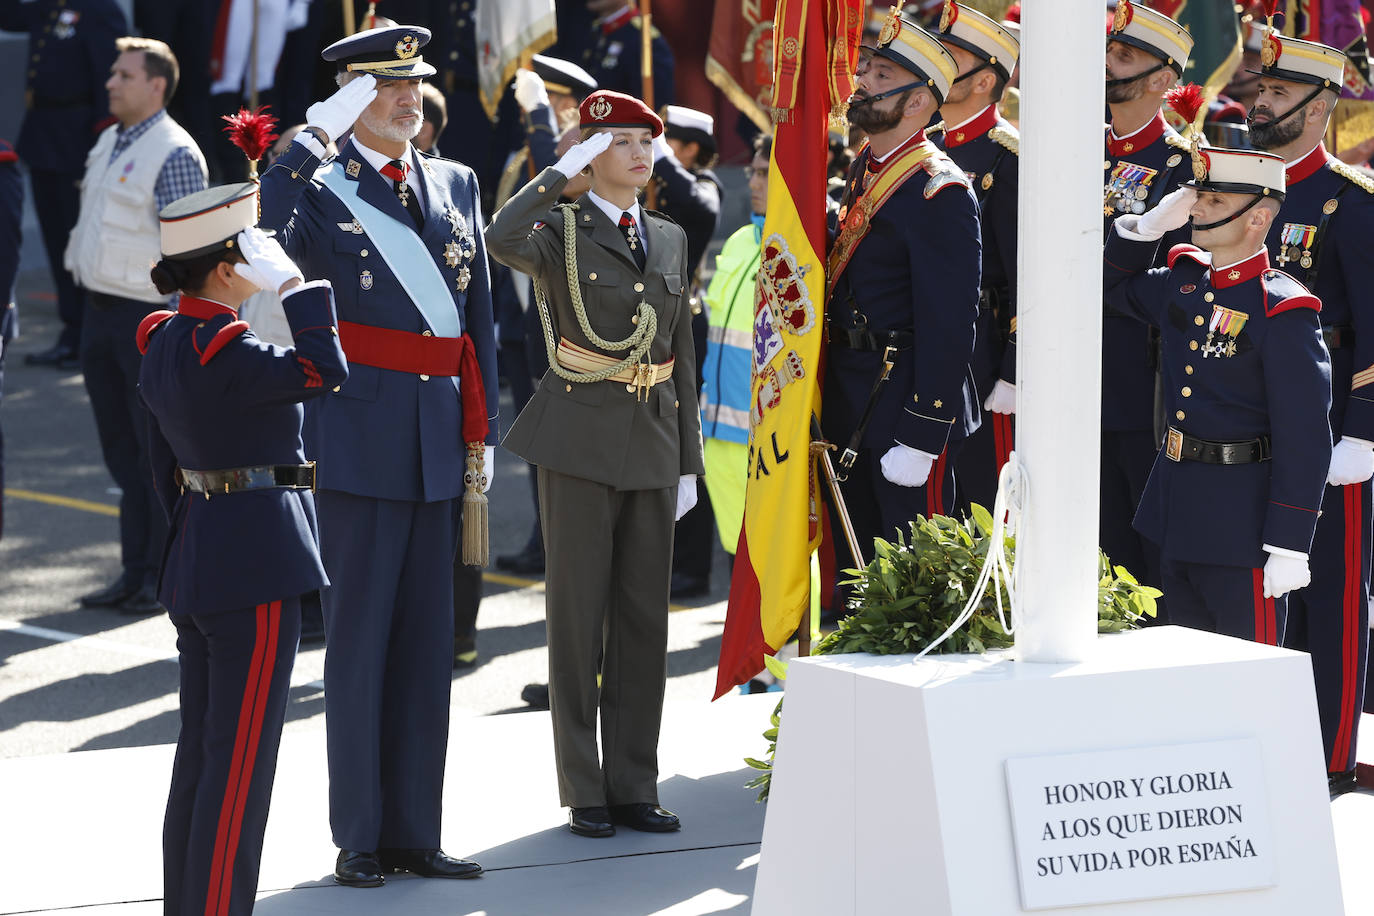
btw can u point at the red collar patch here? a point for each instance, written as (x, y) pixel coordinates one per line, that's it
(972, 129)
(874, 166)
(616, 20)
(1307, 166)
(1124, 146)
(1242, 272)
(204, 309)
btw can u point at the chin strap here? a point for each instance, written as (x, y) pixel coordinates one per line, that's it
(1250, 118)
(1222, 222)
(1127, 80)
(868, 99)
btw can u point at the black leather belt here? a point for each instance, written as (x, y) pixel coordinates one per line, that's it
(869, 341)
(1338, 336)
(1179, 446)
(294, 476)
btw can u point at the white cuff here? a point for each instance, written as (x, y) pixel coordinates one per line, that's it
(306, 139)
(313, 284)
(1353, 441)
(1126, 228)
(1285, 552)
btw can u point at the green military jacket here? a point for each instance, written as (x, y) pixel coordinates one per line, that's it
(601, 431)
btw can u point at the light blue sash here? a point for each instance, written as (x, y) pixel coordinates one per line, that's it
(405, 254)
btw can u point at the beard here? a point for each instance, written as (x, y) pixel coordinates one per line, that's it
(864, 115)
(1275, 133)
(388, 129)
(1124, 92)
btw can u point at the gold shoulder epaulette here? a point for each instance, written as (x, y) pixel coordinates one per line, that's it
(937, 127)
(1177, 142)
(653, 29)
(1007, 137)
(1358, 178)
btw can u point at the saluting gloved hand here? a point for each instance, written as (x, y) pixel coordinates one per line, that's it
(662, 150)
(530, 92)
(1284, 571)
(1002, 398)
(906, 466)
(686, 495)
(488, 466)
(1169, 214)
(1352, 461)
(268, 266)
(337, 113)
(581, 155)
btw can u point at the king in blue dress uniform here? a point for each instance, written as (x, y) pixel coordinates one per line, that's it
(229, 468)
(985, 146)
(399, 233)
(1233, 497)
(1322, 237)
(899, 398)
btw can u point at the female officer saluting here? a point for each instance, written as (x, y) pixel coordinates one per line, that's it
(614, 432)
(229, 468)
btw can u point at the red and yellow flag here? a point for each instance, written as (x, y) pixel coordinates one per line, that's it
(815, 50)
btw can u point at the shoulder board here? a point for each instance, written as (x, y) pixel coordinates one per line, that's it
(1191, 252)
(1359, 178)
(661, 215)
(1283, 292)
(1176, 141)
(943, 174)
(1006, 137)
(222, 338)
(653, 29)
(150, 323)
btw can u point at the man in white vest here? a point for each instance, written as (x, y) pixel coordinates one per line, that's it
(136, 168)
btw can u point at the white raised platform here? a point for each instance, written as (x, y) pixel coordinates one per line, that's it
(894, 775)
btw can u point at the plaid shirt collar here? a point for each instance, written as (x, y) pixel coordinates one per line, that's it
(126, 136)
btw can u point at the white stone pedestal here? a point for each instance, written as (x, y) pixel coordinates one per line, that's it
(890, 793)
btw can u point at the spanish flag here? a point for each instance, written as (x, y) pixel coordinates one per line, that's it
(815, 49)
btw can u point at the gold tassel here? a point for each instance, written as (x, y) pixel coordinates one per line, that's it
(476, 547)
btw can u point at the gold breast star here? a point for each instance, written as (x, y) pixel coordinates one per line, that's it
(1231, 347)
(451, 254)
(939, 404)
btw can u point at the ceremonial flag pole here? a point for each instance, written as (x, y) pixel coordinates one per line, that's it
(815, 49)
(507, 32)
(646, 76)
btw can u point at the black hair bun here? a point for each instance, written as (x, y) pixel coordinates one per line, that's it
(169, 276)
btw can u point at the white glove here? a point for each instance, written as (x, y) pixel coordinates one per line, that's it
(582, 154)
(1352, 461)
(530, 92)
(906, 466)
(1169, 214)
(1284, 571)
(337, 113)
(1002, 398)
(686, 495)
(662, 150)
(488, 466)
(268, 266)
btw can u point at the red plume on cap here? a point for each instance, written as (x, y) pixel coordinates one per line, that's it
(1186, 100)
(1270, 7)
(252, 132)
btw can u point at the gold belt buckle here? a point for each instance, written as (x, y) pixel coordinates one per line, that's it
(644, 380)
(1173, 445)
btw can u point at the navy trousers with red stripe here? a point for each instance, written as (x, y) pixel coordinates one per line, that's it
(1223, 599)
(235, 671)
(1330, 618)
(981, 458)
(879, 508)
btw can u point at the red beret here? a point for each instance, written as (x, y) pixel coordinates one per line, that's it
(605, 108)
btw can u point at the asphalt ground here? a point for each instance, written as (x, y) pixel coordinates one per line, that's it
(78, 679)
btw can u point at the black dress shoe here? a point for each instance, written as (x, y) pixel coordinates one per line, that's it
(524, 563)
(357, 869)
(537, 695)
(685, 586)
(111, 596)
(645, 816)
(427, 863)
(1340, 783)
(591, 822)
(59, 356)
(143, 601)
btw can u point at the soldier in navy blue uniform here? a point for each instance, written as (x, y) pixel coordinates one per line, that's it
(230, 471)
(689, 192)
(1322, 236)
(985, 146)
(71, 48)
(11, 211)
(613, 51)
(1233, 497)
(907, 210)
(1146, 53)
(399, 233)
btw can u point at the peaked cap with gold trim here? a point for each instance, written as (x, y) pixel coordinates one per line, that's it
(391, 53)
(980, 35)
(911, 47)
(1149, 30)
(1296, 61)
